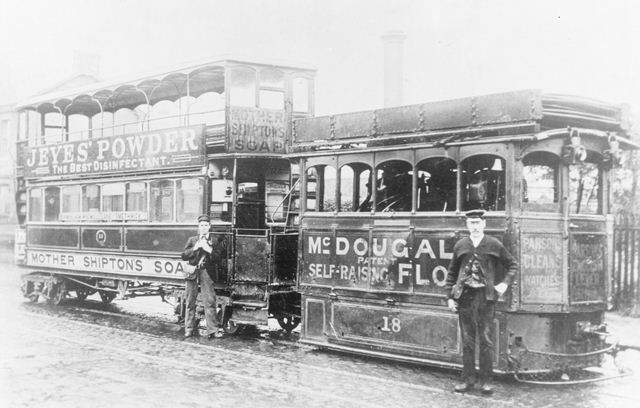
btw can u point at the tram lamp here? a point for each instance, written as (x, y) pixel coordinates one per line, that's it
(575, 151)
(613, 155)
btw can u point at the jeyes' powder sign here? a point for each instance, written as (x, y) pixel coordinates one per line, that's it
(168, 148)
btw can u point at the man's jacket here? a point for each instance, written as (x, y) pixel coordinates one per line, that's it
(491, 254)
(202, 259)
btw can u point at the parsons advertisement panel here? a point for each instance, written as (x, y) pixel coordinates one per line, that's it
(161, 149)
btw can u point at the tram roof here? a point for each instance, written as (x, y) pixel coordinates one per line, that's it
(511, 113)
(208, 70)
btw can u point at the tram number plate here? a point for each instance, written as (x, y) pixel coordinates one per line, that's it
(390, 324)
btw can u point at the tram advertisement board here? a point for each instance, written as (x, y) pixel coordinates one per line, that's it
(252, 130)
(107, 263)
(541, 268)
(587, 268)
(388, 260)
(161, 149)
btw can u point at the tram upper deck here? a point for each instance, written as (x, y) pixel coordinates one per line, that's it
(112, 176)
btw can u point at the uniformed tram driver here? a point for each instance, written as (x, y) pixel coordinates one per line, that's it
(207, 253)
(474, 286)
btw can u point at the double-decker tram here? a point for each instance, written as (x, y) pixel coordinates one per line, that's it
(383, 196)
(113, 176)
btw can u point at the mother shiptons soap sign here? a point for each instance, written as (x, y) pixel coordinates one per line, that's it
(168, 148)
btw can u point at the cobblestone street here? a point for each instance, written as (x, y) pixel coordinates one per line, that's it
(131, 353)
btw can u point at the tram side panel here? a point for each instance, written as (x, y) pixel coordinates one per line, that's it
(380, 291)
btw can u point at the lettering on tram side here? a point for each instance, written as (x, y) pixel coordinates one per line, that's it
(587, 271)
(114, 264)
(252, 130)
(541, 268)
(141, 151)
(387, 262)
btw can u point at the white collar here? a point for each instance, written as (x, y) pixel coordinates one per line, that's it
(476, 241)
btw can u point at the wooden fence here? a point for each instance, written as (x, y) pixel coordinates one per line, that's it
(625, 285)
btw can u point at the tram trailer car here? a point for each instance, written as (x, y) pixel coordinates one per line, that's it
(111, 179)
(373, 260)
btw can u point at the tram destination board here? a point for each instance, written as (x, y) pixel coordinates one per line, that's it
(155, 150)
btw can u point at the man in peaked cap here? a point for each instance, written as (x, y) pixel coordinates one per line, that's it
(207, 253)
(473, 287)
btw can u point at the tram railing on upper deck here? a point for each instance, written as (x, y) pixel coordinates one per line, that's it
(212, 119)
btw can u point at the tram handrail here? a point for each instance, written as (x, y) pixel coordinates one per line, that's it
(273, 213)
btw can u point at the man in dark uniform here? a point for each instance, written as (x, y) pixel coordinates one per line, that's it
(474, 286)
(207, 253)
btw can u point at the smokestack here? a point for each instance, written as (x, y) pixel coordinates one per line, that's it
(393, 57)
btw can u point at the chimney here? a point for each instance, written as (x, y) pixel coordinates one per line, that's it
(393, 56)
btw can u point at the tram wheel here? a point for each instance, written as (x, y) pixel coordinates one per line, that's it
(288, 323)
(107, 297)
(230, 327)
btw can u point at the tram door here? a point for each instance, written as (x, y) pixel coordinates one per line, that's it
(261, 186)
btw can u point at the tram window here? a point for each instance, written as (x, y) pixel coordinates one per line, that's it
(91, 198)
(113, 197)
(301, 95)
(52, 204)
(329, 190)
(162, 194)
(34, 129)
(483, 183)
(190, 192)
(272, 89)
(393, 184)
(125, 121)
(71, 199)
(540, 182)
(354, 194)
(35, 204)
(436, 188)
(243, 87)
(137, 197)
(584, 186)
(54, 127)
(78, 127)
(164, 115)
(207, 108)
(102, 125)
(314, 175)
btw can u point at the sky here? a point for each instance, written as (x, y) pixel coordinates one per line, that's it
(453, 48)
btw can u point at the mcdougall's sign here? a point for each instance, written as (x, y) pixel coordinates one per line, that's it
(160, 149)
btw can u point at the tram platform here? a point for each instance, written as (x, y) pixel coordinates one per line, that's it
(624, 329)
